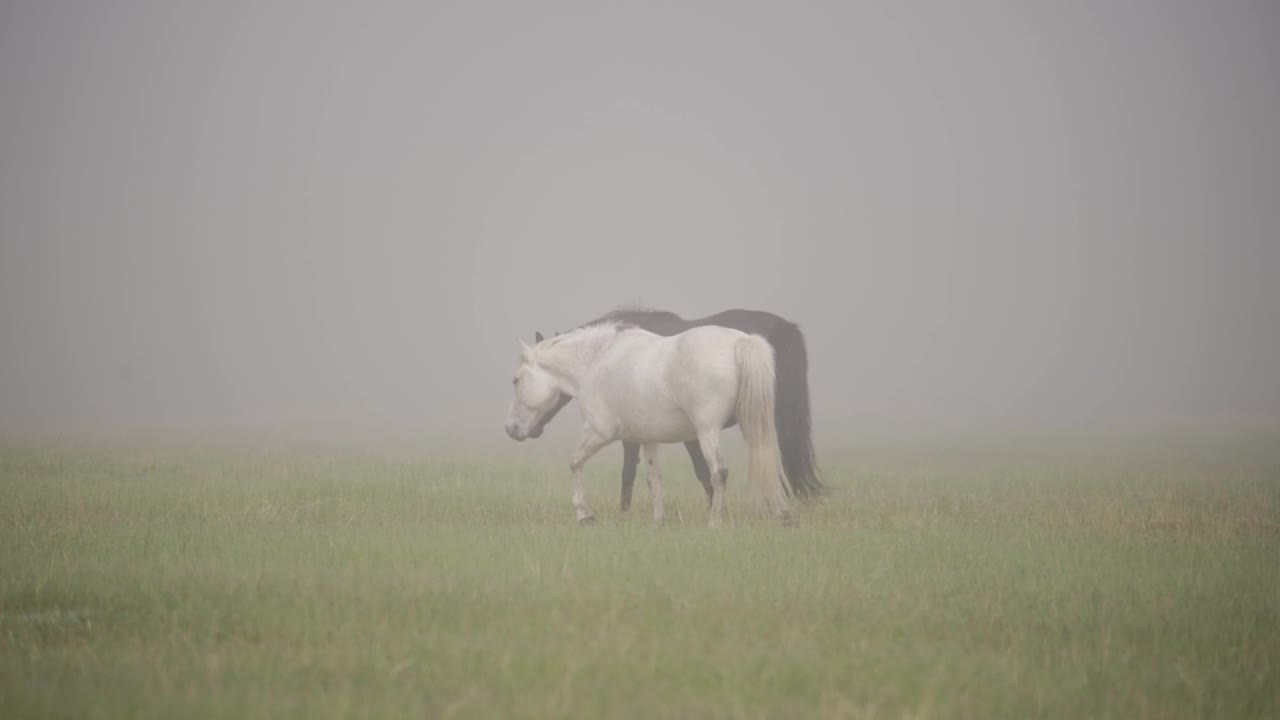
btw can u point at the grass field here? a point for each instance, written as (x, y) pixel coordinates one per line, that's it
(326, 583)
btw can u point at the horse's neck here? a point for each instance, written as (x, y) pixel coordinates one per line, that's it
(573, 354)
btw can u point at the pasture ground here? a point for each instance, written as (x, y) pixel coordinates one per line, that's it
(338, 583)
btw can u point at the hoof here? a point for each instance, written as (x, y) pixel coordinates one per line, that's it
(587, 521)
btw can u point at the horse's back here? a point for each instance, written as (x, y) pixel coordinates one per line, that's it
(708, 344)
(757, 322)
(677, 364)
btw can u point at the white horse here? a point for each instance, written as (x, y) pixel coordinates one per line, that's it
(640, 387)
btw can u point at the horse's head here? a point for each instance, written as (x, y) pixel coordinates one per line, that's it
(535, 396)
(565, 399)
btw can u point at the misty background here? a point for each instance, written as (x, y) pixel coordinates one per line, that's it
(304, 214)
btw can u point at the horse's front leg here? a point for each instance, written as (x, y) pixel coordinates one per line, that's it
(653, 475)
(589, 445)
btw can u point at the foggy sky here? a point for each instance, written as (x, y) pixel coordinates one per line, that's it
(240, 214)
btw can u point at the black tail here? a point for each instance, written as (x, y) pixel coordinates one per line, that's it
(791, 411)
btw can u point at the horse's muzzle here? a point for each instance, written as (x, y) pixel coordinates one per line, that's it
(514, 432)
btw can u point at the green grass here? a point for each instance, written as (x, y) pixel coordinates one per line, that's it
(247, 583)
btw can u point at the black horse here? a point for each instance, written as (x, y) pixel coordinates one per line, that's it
(791, 413)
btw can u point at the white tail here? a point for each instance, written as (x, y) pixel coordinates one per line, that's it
(756, 399)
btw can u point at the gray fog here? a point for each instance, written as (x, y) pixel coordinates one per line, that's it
(240, 215)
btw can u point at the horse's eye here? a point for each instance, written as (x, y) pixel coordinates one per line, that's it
(515, 381)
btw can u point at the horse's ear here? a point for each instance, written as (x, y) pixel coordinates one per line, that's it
(524, 351)
(537, 336)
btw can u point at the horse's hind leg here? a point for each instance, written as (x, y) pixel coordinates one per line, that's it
(653, 475)
(700, 467)
(630, 459)
(709, 441)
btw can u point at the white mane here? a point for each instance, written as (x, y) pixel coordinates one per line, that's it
(585, 335)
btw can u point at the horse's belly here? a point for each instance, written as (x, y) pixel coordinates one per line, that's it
(668, 426)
